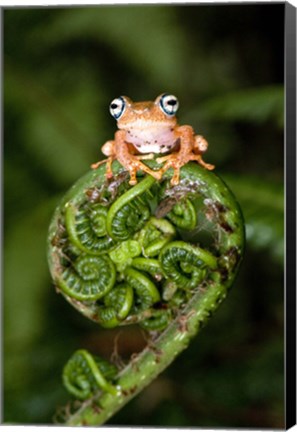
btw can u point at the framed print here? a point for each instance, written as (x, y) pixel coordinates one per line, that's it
(149, 215)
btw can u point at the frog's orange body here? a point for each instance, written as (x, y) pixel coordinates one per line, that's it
(149, 128)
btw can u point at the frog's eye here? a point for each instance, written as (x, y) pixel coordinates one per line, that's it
(169, 104)
(117, 107)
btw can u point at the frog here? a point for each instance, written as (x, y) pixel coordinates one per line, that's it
(148, 130)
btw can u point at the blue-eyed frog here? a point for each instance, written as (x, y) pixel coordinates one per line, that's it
(149, 128)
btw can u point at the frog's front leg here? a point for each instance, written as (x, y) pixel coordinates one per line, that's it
(131, 162)
(191, 147)
(185, 134)
(108, 149)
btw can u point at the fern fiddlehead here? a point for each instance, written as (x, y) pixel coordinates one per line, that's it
(185, 264)
(155, 235)
(83, 374)
(130, 212)
(86, 228)
(146, 291)
(117, 305)
(183, 215)
(172, 253)
(88, 278)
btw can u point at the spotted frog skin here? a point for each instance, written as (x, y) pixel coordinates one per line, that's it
(149, 128)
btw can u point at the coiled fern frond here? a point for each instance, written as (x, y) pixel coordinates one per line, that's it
(159, 255)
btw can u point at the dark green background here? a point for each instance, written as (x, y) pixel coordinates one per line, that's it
(62, 67)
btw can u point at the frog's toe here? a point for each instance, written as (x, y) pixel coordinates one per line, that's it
(201, 162)
(95, 165)
(156, 174)
(174, 181)
(205, 165)
(133, 179)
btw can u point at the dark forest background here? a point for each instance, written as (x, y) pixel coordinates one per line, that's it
(62, 67)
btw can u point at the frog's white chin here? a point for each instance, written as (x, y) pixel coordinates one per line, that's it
(152, 140)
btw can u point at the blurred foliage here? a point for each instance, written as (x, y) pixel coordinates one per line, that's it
(62, 66)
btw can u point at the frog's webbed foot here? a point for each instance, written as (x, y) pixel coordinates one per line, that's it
(172, 161)
(130, 161)
(135, 165)
(175, 161)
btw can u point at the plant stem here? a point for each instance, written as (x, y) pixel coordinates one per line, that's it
(153, 359)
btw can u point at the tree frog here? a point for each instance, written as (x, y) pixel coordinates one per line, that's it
(149, 128)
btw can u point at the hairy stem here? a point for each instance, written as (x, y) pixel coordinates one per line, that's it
(152, 360)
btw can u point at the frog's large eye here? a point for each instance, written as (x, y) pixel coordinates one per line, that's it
(117, 107)
(169, 104)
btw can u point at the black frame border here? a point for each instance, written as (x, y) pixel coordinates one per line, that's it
(290, 169)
